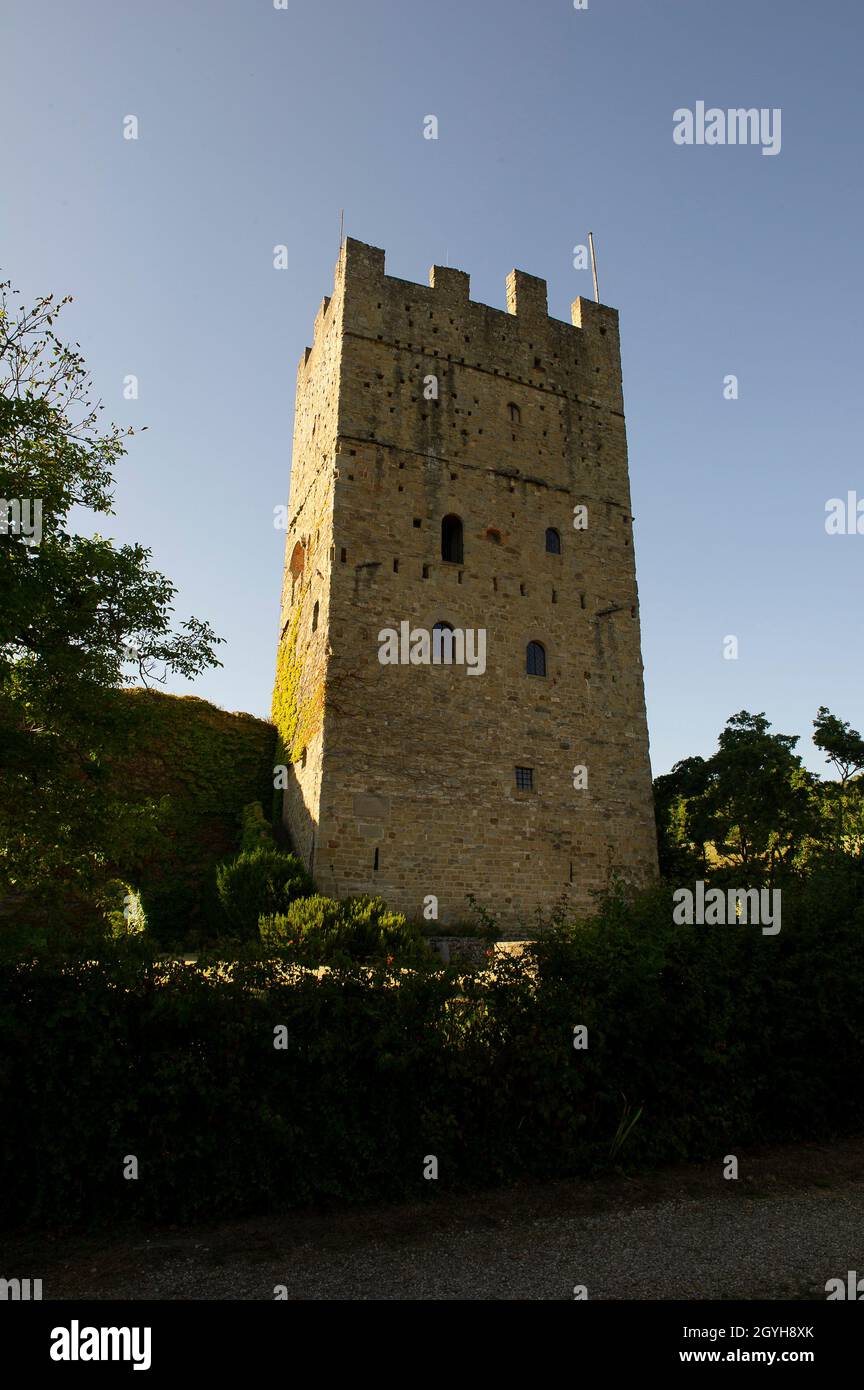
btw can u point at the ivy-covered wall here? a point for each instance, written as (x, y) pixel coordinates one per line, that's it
(298, 694)
(201, 766)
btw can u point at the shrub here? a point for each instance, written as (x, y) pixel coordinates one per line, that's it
(320, 930)
(127, 918)
(699, 1039)
(259, 881)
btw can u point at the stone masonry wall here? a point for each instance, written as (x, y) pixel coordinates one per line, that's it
(414, 767)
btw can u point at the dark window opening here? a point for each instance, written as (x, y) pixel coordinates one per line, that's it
(515, 412)
(416, 523)
(315, 616)
(451, 540)
(442, 647)
(375, 864)
(535, 663)
(553, 541)
(525, 779)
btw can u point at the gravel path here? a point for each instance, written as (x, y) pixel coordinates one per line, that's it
(794, 1219)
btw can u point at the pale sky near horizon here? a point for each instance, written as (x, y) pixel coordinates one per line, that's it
(256, 126)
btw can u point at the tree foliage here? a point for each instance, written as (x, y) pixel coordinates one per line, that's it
(81, 616)
(753, 808)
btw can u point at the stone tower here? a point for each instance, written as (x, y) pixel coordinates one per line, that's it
(455, 464)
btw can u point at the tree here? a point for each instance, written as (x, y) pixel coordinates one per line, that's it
(758, 803)
(843, 746)
(80, 616)
(752, 802)
(680, 855)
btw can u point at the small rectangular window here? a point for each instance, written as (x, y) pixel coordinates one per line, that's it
(525, 779)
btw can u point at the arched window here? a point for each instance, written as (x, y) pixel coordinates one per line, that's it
(298, 560)
(535, 659)
(515, 412)
(315, 615)
(553, 541)
(451, 540)
(442, 644)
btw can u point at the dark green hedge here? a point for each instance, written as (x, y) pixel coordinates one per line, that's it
(701, 1041)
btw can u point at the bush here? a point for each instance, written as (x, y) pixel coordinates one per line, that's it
(321, 930)
(259, 881)
(700, 1040)
(127, 918)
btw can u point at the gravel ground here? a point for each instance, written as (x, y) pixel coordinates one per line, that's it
(794, 1219)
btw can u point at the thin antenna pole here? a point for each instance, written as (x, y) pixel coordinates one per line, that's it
(341, 226)
(594, 267)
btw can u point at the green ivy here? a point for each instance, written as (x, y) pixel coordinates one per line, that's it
(196, 767)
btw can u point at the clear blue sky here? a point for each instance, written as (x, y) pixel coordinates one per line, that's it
(257, 125)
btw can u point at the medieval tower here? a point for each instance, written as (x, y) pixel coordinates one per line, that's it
(457, 466)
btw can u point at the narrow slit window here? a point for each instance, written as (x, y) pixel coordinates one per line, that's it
(451, 540)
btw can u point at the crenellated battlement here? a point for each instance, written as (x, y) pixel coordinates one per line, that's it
(361, 269)
(383, 306)
(526, 296)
